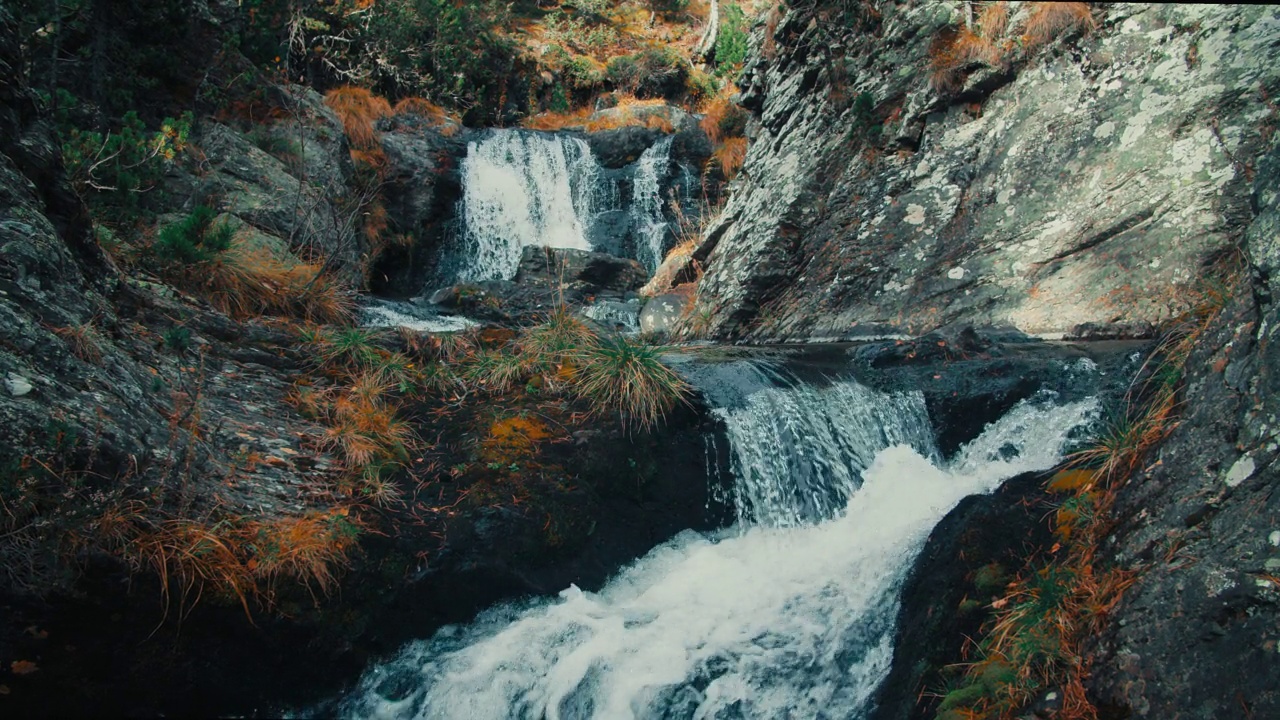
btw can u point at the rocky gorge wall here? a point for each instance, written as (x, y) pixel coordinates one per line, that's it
(1086, 189)
(1071, 185)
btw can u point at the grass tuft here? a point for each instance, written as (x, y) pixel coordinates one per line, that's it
(358, 109)
(1050, 19)
(626, 376)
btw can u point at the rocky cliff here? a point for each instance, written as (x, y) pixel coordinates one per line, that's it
(1089, 182)
(1069, 181)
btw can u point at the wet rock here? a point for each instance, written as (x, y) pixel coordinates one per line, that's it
(581, 271)
(662, 313)
(615, 316)
(969, 557)
(421, 192)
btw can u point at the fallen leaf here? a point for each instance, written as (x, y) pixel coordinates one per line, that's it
(4, 689)
(23, 667)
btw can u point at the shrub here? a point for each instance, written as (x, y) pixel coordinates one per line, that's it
(623, 72)
(496, 371)
(193, 240)
(243, 280)
(730, 156)
(117, 166)
(722, 118)
(1049, 19)
(731, 41)
(621, 375)
(550, 346)
(583, 73)
(363, 426)
(702, 85)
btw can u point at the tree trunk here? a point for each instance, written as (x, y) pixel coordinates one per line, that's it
(707, 44)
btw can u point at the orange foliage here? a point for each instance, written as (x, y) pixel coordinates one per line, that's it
(993, 19)
(376, 222)
(246, 559)
(731, 154)
(1048, 19)
(374, 159)
(552, 121)
(363, 425)
(422, 107)
(513, 440)
(714, 113)
(247, 281)
(970, 47)
(358, 109)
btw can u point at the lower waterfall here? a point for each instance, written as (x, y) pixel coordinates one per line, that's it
(789, 613)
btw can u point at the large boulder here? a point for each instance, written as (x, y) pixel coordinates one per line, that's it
(580, 271)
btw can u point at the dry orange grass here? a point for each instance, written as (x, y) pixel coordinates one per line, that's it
(552, 121)
(243, 559)
(1048, 19)
(714, 112)
(358, 109)
(82, 339)
(993, 19)
(249, 281)
(730, 155)
(447, 124)
(375, 160)
(629, 112)
(627, 117)
(422, 107)
(309, 549)
(970, 47)
(363, 426)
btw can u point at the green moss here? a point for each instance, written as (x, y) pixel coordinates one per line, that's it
(990, 579)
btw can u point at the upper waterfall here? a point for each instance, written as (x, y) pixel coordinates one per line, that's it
(522, 188)
(651, 227)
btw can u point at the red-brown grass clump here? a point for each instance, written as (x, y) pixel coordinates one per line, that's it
(358, 109)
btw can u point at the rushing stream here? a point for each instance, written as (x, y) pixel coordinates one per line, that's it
(788, 613)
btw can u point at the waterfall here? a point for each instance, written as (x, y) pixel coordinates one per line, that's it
(520, 189)
(790, 613)
(646, 203)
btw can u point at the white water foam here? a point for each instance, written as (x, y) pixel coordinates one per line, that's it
(761, 621)
(383, 314)
(646, 203)
(519, 189)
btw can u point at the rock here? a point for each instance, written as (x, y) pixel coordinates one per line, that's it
(17, 385)
(250, 184)
(421, 192)
(582, 271)
(1077, 194)
(663, 312)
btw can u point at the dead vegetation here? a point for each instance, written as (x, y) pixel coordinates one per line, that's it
(994, 37)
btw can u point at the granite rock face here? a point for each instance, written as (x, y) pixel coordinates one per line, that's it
(1084, 184)
(1197, 635)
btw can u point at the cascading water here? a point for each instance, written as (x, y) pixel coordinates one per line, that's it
(646, 205)
(519, 189)
(790, 613)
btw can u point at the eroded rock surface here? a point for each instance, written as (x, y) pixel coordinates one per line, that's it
(1086, 184)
